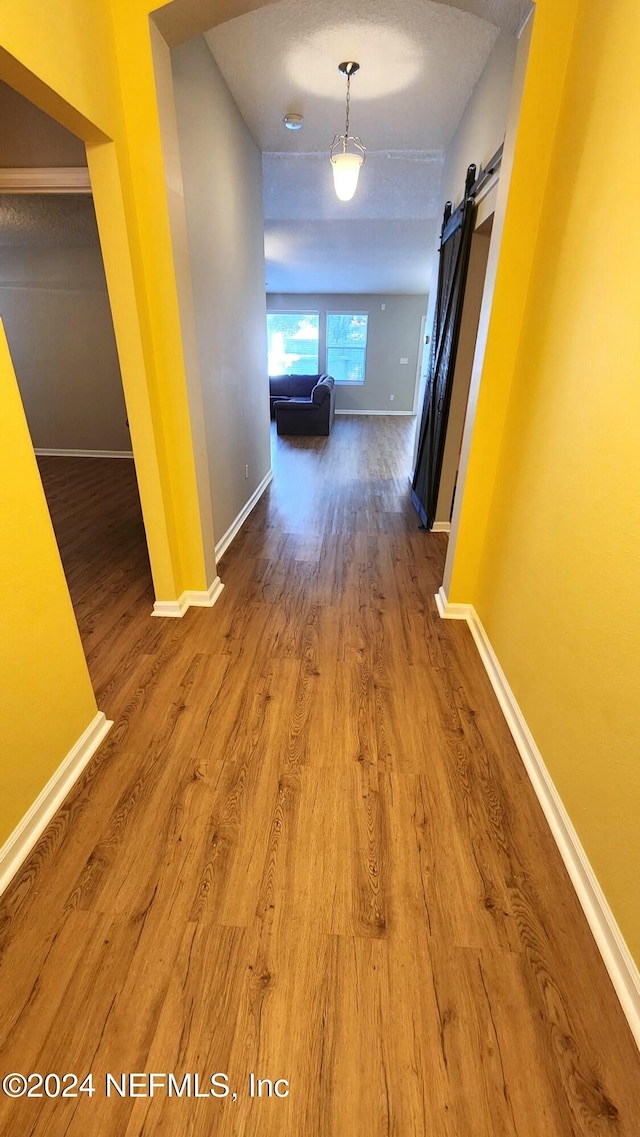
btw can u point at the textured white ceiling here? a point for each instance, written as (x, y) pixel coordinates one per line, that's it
(420, 62)
(403, 186)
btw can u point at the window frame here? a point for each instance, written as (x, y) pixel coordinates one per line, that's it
(327, 348)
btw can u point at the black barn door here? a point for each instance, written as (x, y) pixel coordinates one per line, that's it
(455, 248)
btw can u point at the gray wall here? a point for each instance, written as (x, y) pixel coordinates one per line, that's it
(484, 122)
(53, 295)
(222, 180)
(481, 131)
(393, 334)
(56, 313)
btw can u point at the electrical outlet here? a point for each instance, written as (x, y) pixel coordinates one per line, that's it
(404, 359)
(391, 398)
(246, 470)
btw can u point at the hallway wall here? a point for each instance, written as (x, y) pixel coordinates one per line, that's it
(557, 571)
(222, 178)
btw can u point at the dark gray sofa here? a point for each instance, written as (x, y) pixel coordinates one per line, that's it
(302, 404)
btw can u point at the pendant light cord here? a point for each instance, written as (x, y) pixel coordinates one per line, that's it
(346, 125)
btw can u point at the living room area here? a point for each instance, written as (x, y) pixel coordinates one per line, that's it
(369, 344)
(281, 268)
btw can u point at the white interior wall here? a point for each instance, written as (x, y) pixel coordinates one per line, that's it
(222, 180)
(174, 185)
(393, 334)
(484, 122)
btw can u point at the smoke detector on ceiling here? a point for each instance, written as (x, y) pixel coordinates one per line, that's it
(293, 121)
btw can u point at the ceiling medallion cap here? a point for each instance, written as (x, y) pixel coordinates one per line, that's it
(293, 121)
(348, 68)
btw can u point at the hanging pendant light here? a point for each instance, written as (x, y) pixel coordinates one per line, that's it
(347, 152)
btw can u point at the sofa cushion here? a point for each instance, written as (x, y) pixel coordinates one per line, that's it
(292, 386)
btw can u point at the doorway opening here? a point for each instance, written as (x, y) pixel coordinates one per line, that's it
(472, 304)
(57, 317)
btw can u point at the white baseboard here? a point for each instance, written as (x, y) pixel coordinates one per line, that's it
(223, 544)
(20, 843)
(177, 608)
(621, 966)
(452, 611)
(189, 599)
(388, 414)
(47, 453)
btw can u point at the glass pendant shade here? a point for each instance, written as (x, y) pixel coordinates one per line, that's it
(346, 168)
(346, 162)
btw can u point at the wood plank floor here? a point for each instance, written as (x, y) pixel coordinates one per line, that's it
(308, 848)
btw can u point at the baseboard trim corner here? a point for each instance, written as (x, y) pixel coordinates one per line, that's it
(28, 831)
(176, 609)
(223, 544)
(448, 611)
(622, 968)
(441, 527)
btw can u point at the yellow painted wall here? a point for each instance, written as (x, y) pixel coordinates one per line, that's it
(555, 570)
(62, 53)
(46, 700)
(90, 67)
(45, 692)
(540, 107)
(145, 196)
(65, 58)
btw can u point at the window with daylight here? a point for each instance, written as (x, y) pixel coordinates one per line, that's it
(292, 339)
(347, 346)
